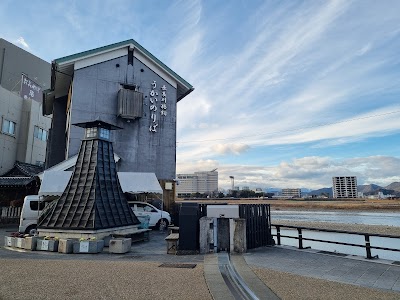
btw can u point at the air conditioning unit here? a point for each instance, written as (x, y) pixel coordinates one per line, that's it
(130, 104)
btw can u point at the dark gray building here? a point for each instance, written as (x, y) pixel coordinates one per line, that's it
(125, 85)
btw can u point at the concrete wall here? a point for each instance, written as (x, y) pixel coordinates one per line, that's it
(10, 109)
(14, 61)
(22, 146)
(94, 95)
(31, 149)
(56, 143)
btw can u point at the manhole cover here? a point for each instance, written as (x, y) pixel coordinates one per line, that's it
(332, 253)
(180, 266)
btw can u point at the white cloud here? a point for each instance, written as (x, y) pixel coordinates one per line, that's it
(21, 41)
(230, 148)
(307, 172)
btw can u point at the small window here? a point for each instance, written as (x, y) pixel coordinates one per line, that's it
(91, 132)
(34, 205)
(105, 133)
(8, 127)
(40, 133)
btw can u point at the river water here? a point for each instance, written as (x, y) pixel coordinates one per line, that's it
(367, 218)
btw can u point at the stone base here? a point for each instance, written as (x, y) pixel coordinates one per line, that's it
(88, 246)
(30, 242)
(87, 234)
(120, 245)
(9, 241)
(66, 245)
(47, 245)
(20, 243)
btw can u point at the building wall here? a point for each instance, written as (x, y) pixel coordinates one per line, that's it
(344, 187)
(25, 113)
(94, 95)
(14, 61)
(199, 182)
(291, 193)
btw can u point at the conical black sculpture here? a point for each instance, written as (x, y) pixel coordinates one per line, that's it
(93, 199)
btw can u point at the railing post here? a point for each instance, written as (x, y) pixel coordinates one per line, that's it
(300, 238)
(368, 246)
(278, 234)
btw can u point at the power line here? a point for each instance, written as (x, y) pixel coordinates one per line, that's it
(296, 129)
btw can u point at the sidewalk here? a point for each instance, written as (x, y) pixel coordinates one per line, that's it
(377, 274)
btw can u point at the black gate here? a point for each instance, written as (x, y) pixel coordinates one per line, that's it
(258, 224)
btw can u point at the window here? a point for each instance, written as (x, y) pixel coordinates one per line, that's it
(105, 133)
(91, 132)
(34, 205)
(8, 127)
(40, 133)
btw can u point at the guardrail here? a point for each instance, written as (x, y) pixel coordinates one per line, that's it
(300, 237)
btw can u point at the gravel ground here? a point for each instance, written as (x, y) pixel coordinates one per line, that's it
(375, 229)
(77, 279)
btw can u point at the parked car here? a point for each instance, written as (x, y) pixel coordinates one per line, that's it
(157, 217)
(31, 209)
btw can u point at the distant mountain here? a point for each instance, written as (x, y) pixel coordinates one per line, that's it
(319, 192)
(395, 186)
(369, 188)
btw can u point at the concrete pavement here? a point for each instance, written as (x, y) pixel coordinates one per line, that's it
(357, 272)
(375, 273)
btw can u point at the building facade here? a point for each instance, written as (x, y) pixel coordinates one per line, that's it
(24, 129)
(198, 182)
(125, 85)
(291, 193)
(344, 187)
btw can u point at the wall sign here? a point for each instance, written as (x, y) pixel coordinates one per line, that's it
(30, 89)
(156, 106)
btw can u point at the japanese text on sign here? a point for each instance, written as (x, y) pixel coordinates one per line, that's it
(30, 89)
(154, 107)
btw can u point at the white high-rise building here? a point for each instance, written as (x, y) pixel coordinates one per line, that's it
(344, 187)
(291, 193)
(199, 182)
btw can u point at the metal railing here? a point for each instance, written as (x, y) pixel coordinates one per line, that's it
(300, 237)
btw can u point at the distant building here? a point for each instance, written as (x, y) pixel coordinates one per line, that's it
(198, 182)
(258, 190)
(23, 128)
(344, 187)
(291, 193)
(245, 188)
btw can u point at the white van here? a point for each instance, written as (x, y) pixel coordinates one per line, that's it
(31, 209)
(157, 217)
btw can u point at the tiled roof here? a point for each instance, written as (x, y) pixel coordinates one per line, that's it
(15, 181)
(23, 169)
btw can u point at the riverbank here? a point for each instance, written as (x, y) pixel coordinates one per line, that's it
(382, 205)
(372, 229)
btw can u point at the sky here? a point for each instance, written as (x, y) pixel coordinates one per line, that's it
(287, 93)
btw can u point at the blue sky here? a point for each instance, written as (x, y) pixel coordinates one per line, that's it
(287, 93)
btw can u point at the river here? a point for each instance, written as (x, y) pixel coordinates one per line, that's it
(346, 217)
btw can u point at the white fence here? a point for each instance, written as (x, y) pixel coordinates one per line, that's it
(10, 214)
